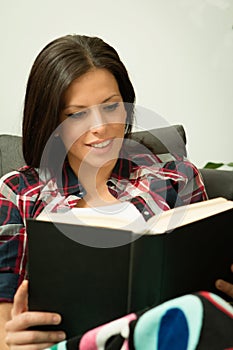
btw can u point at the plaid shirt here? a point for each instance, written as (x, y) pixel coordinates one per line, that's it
(152, 184)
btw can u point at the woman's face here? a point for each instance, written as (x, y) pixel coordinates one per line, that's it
(93, 120)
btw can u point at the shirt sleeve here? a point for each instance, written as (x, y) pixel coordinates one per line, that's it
(161, 183)
(12, 239)
(186, 181)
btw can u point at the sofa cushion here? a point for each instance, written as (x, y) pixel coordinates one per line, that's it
(169, 139)
(11, 156)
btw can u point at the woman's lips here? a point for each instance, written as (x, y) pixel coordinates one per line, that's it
(105, 148)
(101, 144)
(101, 147)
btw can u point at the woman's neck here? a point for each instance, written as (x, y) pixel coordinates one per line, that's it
(94, 180)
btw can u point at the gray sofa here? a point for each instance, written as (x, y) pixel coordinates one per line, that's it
(219, 183)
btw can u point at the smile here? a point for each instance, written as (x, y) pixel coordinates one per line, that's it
(101, 144)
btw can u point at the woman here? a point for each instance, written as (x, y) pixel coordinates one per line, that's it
(79, 101)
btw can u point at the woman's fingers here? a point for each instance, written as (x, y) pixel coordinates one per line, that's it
(31, 346)
(18, 337)
(34, 337)
(30, 319)
(231, 267)
(225, 287)
(20, 299)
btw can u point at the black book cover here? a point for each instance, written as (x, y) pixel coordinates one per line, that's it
(89, 285)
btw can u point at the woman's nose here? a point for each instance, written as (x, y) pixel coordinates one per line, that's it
(98, 122)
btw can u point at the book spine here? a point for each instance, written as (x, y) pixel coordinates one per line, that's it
(145, 272)
(130, 279)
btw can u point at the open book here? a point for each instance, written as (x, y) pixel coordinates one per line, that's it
(92, 274)
(126, 217)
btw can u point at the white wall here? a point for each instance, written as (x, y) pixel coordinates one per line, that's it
(179, 54)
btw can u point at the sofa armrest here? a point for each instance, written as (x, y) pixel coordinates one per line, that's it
(218, 183)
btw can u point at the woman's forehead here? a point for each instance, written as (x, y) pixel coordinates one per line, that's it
(94, 87)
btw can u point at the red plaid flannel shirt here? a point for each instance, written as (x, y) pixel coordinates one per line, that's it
(151, 184)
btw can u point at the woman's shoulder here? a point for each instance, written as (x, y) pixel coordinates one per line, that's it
(21, 179)
(155, 160)
(163, 163)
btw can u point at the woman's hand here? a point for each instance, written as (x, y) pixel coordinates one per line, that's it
(18, 337)
(224, 286)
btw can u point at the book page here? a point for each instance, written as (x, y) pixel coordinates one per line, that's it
(123, 215)
(184, 215)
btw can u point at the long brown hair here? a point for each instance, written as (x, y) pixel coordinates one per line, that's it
(57, 65)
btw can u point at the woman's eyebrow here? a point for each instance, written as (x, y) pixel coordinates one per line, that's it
(82, 106)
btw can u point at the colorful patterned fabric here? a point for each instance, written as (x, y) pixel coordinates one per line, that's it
(200, 321)
(144, 180)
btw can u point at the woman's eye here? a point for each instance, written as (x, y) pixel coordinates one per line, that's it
(77, 115)
(111, 107)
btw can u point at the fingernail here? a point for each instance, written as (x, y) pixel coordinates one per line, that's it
(61, 335)
(56, 319)
(219, 284)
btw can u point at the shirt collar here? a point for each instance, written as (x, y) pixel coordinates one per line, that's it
(121, 170)
(69, 184)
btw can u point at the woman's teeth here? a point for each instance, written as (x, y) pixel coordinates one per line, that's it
(101, 145)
